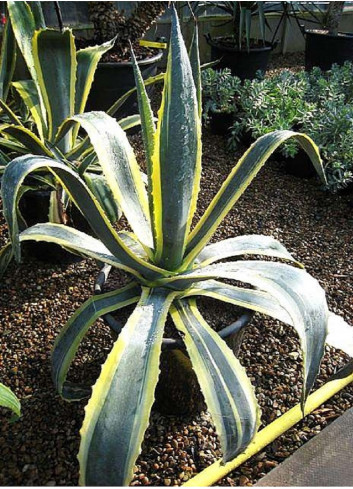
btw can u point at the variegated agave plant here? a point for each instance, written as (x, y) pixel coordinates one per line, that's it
(169, 266)
(61, 79)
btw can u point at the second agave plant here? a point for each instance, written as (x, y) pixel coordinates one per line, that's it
(169, 265)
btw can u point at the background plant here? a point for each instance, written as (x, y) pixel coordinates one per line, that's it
(317, 103)
(169, 266)
(220, 90)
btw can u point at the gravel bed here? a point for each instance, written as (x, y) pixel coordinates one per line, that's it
(36, 299)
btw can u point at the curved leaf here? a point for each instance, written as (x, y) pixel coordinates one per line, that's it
(120, 169)
(237, 182)
(177, 156)
(10, 114)
(296, 291)
(256, 300)
(9, 400)
(118, 412)
(84, 200)
(228, 392)
(27, 138)
(252, 244)
(69, 339)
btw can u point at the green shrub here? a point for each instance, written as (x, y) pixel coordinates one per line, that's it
(219, 91)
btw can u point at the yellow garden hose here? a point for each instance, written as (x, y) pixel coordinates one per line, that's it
(217, 470)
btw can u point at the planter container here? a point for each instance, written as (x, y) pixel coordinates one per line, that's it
(323, 50)
(299, 166)
(34, 207)
(242, 63)
(112, 80)
(178, 391)
(220, 122)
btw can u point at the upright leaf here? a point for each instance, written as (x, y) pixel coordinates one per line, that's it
(177, 155)
(148, 133)
(194, 56)
(55, 61)
(7, 60)
(28, 92)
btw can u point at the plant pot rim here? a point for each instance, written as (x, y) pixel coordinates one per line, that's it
(213, 42)
(320, 33)
(167, 343)
(124, 64)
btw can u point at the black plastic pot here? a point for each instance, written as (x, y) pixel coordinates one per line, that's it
(178, 391)
(112, 80)
(242, 63)
(323, 50)
(34, 207)
(220, 122)
(299, 166)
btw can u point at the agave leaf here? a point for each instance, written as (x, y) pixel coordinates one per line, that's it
(70, 337)
(87, 61)
(195, 66)
(237, 182)
(24, 26)
(28, 139)
(130, 121)
(6, 255)
(55, 62)
(84, 200)
(256, 300)
(37, 13)
(11, 115)
(148, 132)
(244, 245)
(296, 291)
(120, 168)
(9, 400)
(98, 186)
(7, 60)
(123, 396)
(228, 392)
(177, 156)
(28, 92)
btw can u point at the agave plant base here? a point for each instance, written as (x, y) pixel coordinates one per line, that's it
(178, 392)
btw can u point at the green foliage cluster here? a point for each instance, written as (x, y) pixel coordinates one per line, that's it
(220, 89)
(317, 103)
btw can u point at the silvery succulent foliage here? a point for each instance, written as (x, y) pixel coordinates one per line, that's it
(170, 265)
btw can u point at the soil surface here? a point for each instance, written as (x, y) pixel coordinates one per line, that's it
(36, 299)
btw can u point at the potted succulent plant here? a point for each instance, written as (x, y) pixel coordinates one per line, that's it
(240, 52)
(114, 75)
(324, 45)
(168, 265)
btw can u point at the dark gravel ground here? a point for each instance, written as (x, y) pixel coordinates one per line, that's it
(36, 300)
